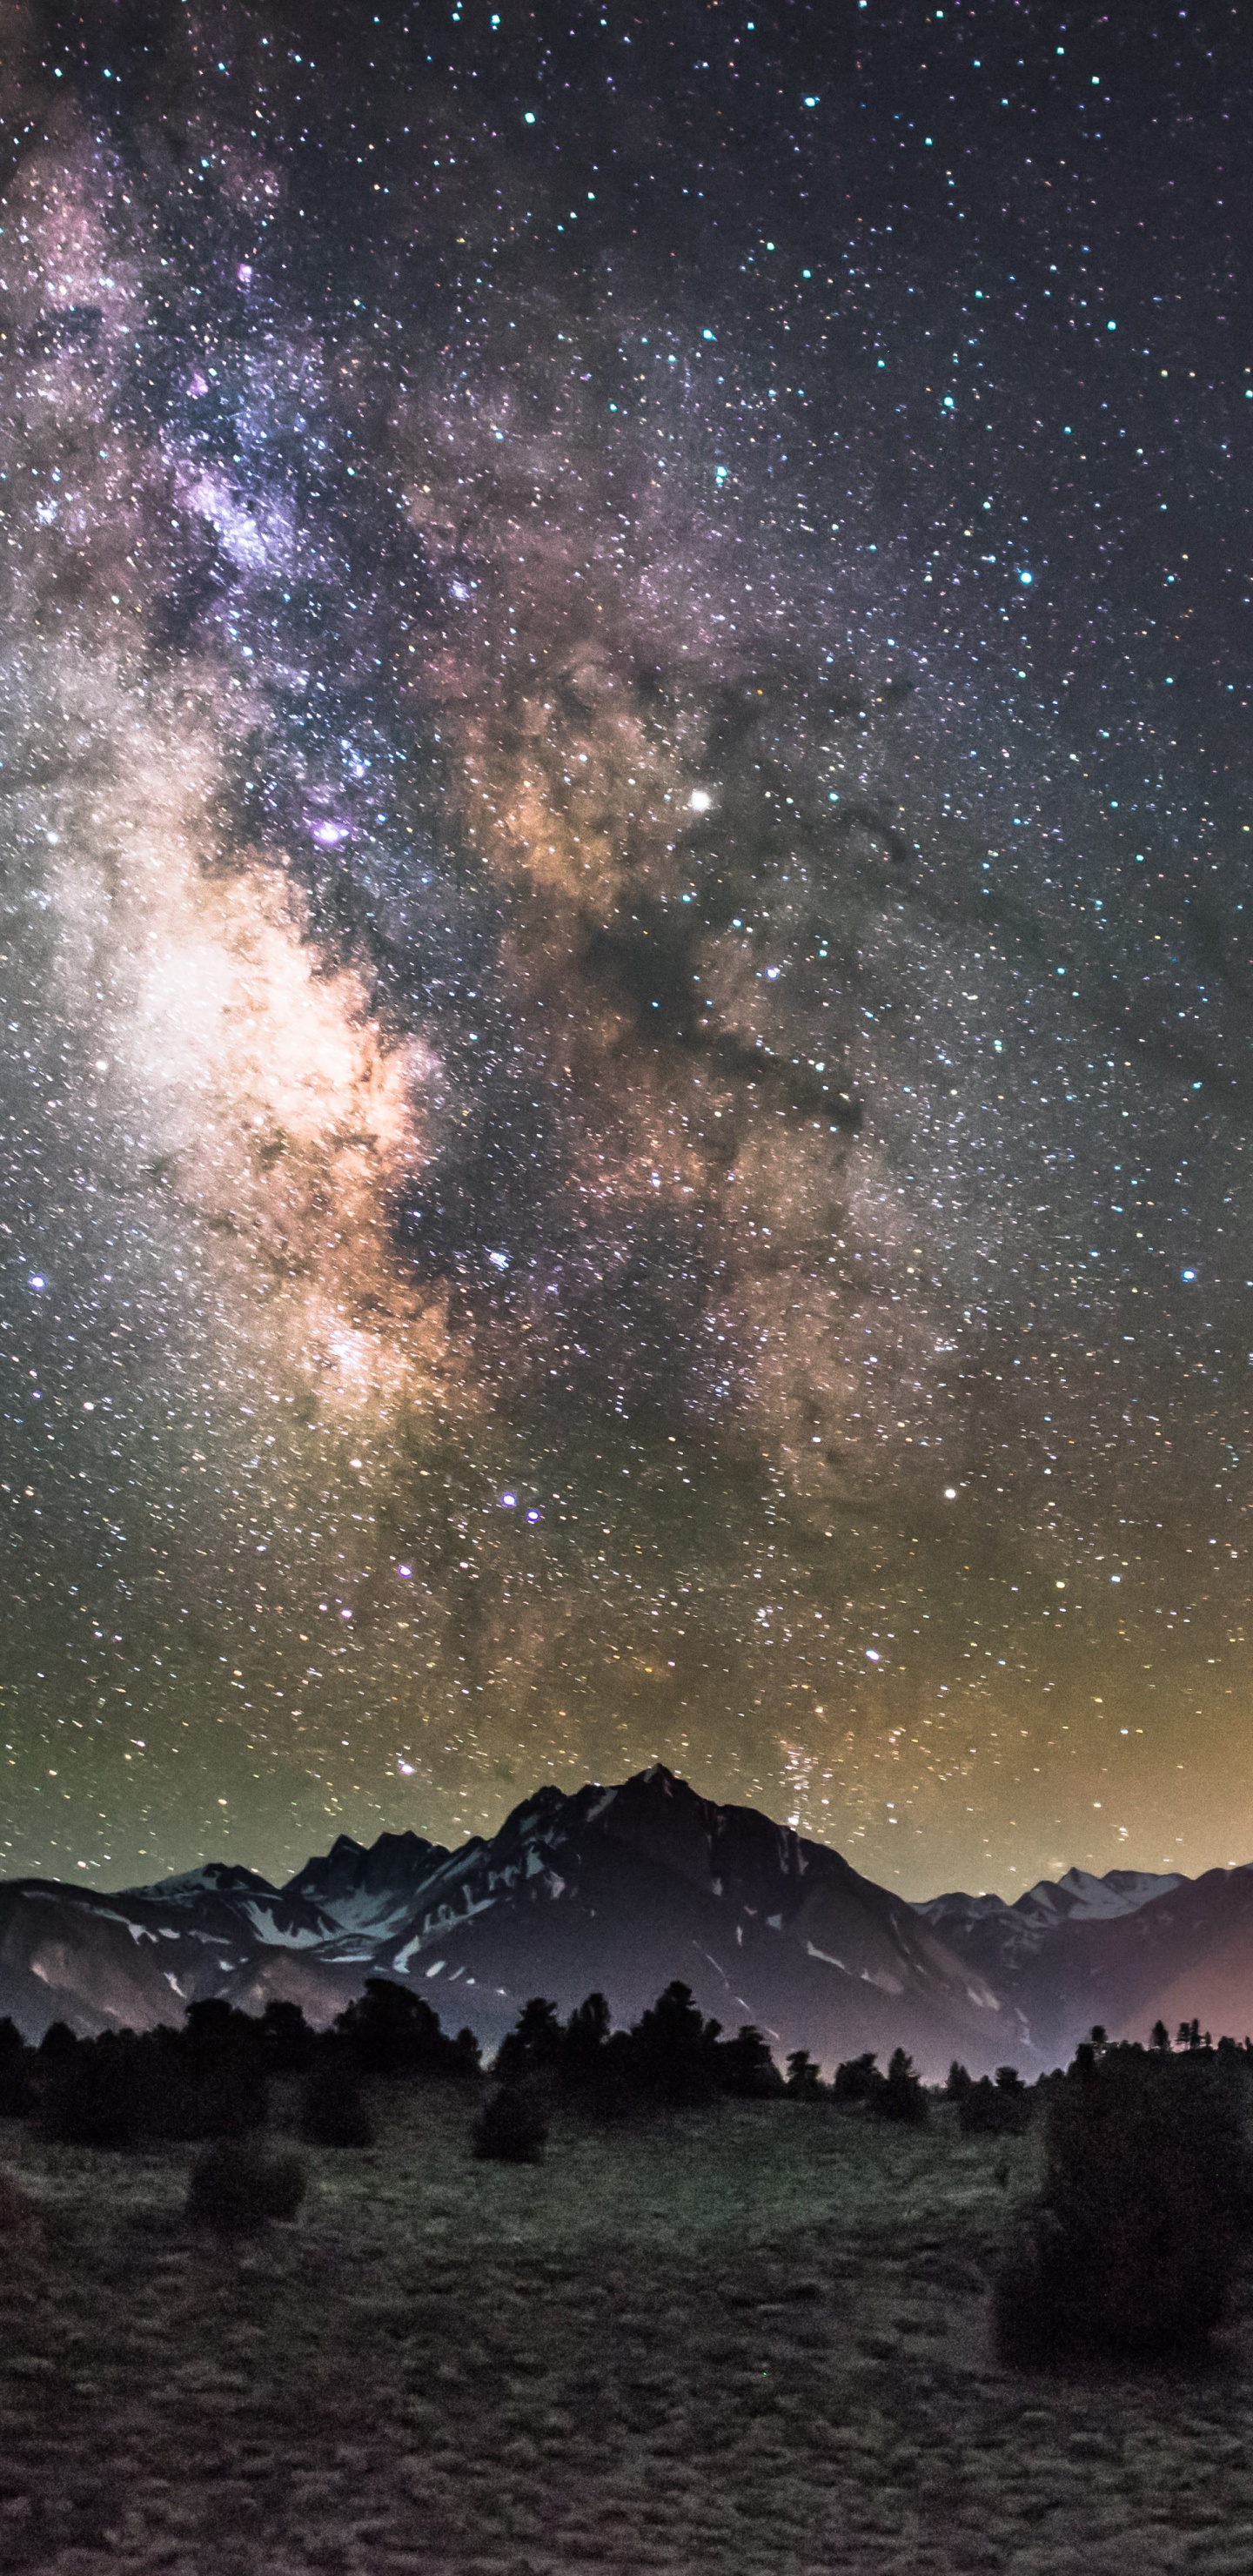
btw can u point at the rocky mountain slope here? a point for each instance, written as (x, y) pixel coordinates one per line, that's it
(1125, 1950)
(622, 1889)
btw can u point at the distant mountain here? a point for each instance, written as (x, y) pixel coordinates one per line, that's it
(371, 1892)
(1076, 1898)
(1125, 1950)
(623, 1889)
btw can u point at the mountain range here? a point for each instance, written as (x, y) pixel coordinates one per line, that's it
(623, 1889)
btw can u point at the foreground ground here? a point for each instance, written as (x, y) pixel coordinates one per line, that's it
(747, 2340)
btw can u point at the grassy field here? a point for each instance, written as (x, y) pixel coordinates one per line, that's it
(748, 2339)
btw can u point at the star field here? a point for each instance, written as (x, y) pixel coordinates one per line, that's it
(625, 914)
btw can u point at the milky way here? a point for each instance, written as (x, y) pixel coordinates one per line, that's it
(625, 933)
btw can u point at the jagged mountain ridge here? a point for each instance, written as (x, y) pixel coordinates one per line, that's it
(1127, 1950)
(1003, 1935)
(623, 1888)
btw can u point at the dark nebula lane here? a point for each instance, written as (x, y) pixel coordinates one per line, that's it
(625, 930)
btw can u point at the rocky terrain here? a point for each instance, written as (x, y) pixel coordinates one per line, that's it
(753, 2341)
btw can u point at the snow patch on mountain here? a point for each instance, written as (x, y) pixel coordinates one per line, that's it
(282, 1936)
(216, 1878)
(381, 1911)
(1081, 1898)
(1078, 1897)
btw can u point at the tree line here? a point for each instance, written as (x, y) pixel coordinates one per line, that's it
(212, 2077)
(1130, 2243)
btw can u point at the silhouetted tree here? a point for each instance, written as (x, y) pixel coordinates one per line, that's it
(745, 2067)
(672, 2049)
(857, 2080)
(1160, 2038)
(467, 2054)
(582, 2046)
(901, 2096)
(959, 2081)
(212, 2075)
(208, 2082)
(533, 2048)
(997, 2110)
(58, 2042)
(613, 2091)
(288, 2045)
(209, 2025)
(804, 2077)
(393, 2032)
(220, 2043)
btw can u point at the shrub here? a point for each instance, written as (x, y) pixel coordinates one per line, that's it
(512, 2127)
(901, 2096)
(746, 2069)
(1131, 2247)
(995, 2110)
(235, 2188)
(857, 2080)
(804, 2078)
(332, 2113)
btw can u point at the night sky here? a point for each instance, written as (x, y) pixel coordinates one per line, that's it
(626, 925)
